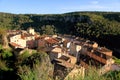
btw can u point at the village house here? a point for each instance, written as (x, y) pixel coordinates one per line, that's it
(22, 39)
(51, 42)
(70, 55)
(66, 43)
(72, 59)
(27, 36)
(85, 54)
(75, 47)
(31, 31)
(100, 58)
(91, 44)
(40, 42)
(16, 40)
(65, 67)
(61, 69)
(31, 44)
(55, 53)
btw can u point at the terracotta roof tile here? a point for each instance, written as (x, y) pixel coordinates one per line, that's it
(51, 41)
(14, 44)
(24, 35)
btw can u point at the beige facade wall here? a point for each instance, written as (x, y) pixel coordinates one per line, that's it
(53, 55)
(95, 45)
(54, 36)
(22, 42)
(63, 39)
(15, 38)
(31, 31)
(47, 38)
(78, 48)
(29, 38)
(108, 53)
(110, 61)
(105, 69)
(73, 60)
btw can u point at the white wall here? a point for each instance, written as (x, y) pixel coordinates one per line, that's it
(22, 42)
(30, 38)
(31, 31)
(15, 38)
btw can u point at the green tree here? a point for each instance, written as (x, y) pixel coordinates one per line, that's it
(3, 37)
(48, 29)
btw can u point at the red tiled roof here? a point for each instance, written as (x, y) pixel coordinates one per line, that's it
(40, 37)
(66, 41)
(36, 35)
(55, 39)
(104, 50)
(13, 31)
(14, 44)
(100, 59)
(41, 42)
(51, 41)
(26, 35)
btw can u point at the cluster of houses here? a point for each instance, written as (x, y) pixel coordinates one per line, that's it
(70, 55)
(21, 38)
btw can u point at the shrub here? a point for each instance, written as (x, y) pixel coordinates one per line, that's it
(36, 67)
(3, 65)
(25, 73)
(117, 61)
(1, 47)
(113, 75)
(6, 54)
(25, 54)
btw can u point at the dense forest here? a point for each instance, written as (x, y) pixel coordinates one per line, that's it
(103, 27)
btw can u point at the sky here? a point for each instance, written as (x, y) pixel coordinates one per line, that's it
(57, 6)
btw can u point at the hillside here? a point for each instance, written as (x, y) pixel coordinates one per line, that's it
(103, 27)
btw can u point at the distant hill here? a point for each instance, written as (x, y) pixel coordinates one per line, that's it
(103, 27)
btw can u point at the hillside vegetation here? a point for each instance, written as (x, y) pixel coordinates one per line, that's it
(35, 66)
(103, 27)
